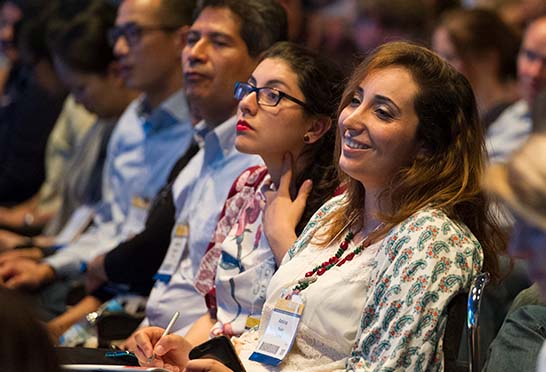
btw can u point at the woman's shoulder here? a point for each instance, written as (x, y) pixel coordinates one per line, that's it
(243, 191)
(431, 219)
(245, 186)
(431, 235)
(250, 177)
(329, 206)
(323, 214)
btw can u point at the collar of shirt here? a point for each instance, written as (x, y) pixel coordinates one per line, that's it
(522, 110)
(200, 131)
(217, 145)
(171, 112)
(220, 141)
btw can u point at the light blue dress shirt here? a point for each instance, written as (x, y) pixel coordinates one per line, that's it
(199, 192)
(508, 132)
(141, 153)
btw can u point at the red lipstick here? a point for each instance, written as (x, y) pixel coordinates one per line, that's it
(242, 125)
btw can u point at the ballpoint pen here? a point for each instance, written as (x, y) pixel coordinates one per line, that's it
(165, 333)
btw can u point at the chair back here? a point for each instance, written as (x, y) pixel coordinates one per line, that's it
(473, 320)
(456, 317)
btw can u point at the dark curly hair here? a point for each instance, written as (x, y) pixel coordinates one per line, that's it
(321, 83)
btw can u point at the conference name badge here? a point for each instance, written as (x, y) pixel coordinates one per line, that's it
(280, 332)
(179, 239)
(136, 217)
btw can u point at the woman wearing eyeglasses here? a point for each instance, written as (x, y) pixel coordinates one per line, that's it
(286, 115)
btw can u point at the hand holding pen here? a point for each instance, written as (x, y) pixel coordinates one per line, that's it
(165, 333)
(155, 347)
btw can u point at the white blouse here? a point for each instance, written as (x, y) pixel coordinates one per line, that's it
(372, 311)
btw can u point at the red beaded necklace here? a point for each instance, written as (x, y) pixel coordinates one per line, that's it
(335, 260)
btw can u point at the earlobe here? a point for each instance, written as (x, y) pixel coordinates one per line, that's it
(318, 128)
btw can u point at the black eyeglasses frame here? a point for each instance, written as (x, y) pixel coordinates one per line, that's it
(132, 32)
(250, 89)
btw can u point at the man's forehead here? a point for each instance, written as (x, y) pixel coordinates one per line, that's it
(536, 30)
(217, 21)
(139, 11)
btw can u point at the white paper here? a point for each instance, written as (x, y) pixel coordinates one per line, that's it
(107, 368)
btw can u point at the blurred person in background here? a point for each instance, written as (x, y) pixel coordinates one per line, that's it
(328, 30)
(151, 134)
(85, 63)
(29, 217)
(401, 20)
(32, 100)
(513, 126)
(521, 185)
(481, 46)
(517, 13)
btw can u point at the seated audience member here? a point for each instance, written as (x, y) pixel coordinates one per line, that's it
(198, 203)
(32, 100)
(329, 31)
(517, 13)
(482, 47)
(202, 186)
(402, 20)
(376, 267)
(30, 217)
(73, 122)
(521, 185)
(296, 17)
(240, 260)
(86, 64)
(513, 126)
(149, 137)
(24, 342)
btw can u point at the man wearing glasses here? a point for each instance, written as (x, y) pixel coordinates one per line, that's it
(154, 131)
(219, 52)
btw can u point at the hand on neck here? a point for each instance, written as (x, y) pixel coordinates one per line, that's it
(279, 167)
